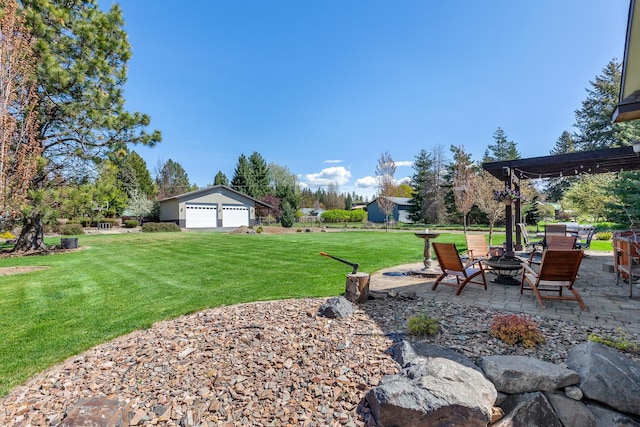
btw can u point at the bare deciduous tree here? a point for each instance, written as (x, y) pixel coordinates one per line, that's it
(485, 186)
(464, 186)
(385, 172)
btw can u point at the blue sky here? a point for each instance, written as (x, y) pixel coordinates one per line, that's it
(325, 87)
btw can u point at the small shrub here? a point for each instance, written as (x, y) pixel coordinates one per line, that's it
(130, 223)
(621, 342)
(513, 329)
(299, 230)
(154, 227)
(259, 229)
(423, 325)
(604, 235)
(71, 229)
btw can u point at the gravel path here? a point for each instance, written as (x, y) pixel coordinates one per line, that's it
(261, 364)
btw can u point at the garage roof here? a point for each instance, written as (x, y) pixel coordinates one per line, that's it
(208, 189)
(596, 161)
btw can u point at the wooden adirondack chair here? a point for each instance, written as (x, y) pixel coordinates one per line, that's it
(451, 265)
(558, 270)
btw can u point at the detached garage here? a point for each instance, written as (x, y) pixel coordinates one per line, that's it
(211, 207)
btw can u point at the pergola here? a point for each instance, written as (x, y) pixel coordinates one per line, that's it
(511, 172)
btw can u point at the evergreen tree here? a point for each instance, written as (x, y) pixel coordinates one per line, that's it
(172, 180)
(422, 184)
(141, 172)
(595, 130)
(260, 177)
(348, 202)
(503, 149)
(82, 54)
(242, 175)
(625, 189)
(288, 215)
(558, 186)
(220, 179)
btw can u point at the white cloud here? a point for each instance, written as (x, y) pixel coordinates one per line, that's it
(333, 161)
(408, 163)
(366, 182)
(372, 183)
(334, 175)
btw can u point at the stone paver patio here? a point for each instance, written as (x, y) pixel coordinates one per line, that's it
(608, 305)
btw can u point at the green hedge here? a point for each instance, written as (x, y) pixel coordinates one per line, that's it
(339, 215)
(71, 229)
(151, 227)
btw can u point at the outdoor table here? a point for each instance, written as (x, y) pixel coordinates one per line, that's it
(505, 268)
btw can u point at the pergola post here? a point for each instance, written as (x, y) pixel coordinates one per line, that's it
(508, 218)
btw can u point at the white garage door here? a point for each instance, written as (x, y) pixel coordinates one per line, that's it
(235, 216)
(201, 216)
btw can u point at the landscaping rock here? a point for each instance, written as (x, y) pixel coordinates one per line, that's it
(528, 410)
(606, 417)
(571, 413)
(607, 376)
(434, 392)
(336, 308)
(521, 374)
(97, 412)
(404, 352)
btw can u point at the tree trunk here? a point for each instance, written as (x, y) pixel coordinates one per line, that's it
(31, 238)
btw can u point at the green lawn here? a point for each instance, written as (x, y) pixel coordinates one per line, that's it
(119, 283)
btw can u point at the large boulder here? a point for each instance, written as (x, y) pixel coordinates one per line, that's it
(435, 392)
(521, 374)
(528, 410)
(404, 352)
(607, 376)
(336, 308)
(606, 417)
(97, 412)
(572, 413)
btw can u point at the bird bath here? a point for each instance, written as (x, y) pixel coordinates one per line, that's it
(428, 269)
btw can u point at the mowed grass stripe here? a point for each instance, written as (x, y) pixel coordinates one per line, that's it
(119, 283)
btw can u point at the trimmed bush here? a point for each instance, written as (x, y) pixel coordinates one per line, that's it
(341, 215)
(130, 223)
(153, 227)
(604, 235)
(71, 229)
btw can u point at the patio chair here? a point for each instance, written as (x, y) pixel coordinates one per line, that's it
(525, 237)
(585, 235)
(558, 270)
(477, 247)
(554, 230)
(554, 241)
(627, 259)
(451, 265)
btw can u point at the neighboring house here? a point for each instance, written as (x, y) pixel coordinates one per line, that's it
(211, 207)
(400, 210)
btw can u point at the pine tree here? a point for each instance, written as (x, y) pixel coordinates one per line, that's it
(503, 149)
(422, 184)
(260, 177)
(558, 186)
(82, 54)
(242, 175)
(220, 179)
(595, 130)
(172, 180)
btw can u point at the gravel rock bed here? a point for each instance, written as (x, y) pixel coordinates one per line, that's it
(261, 364)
